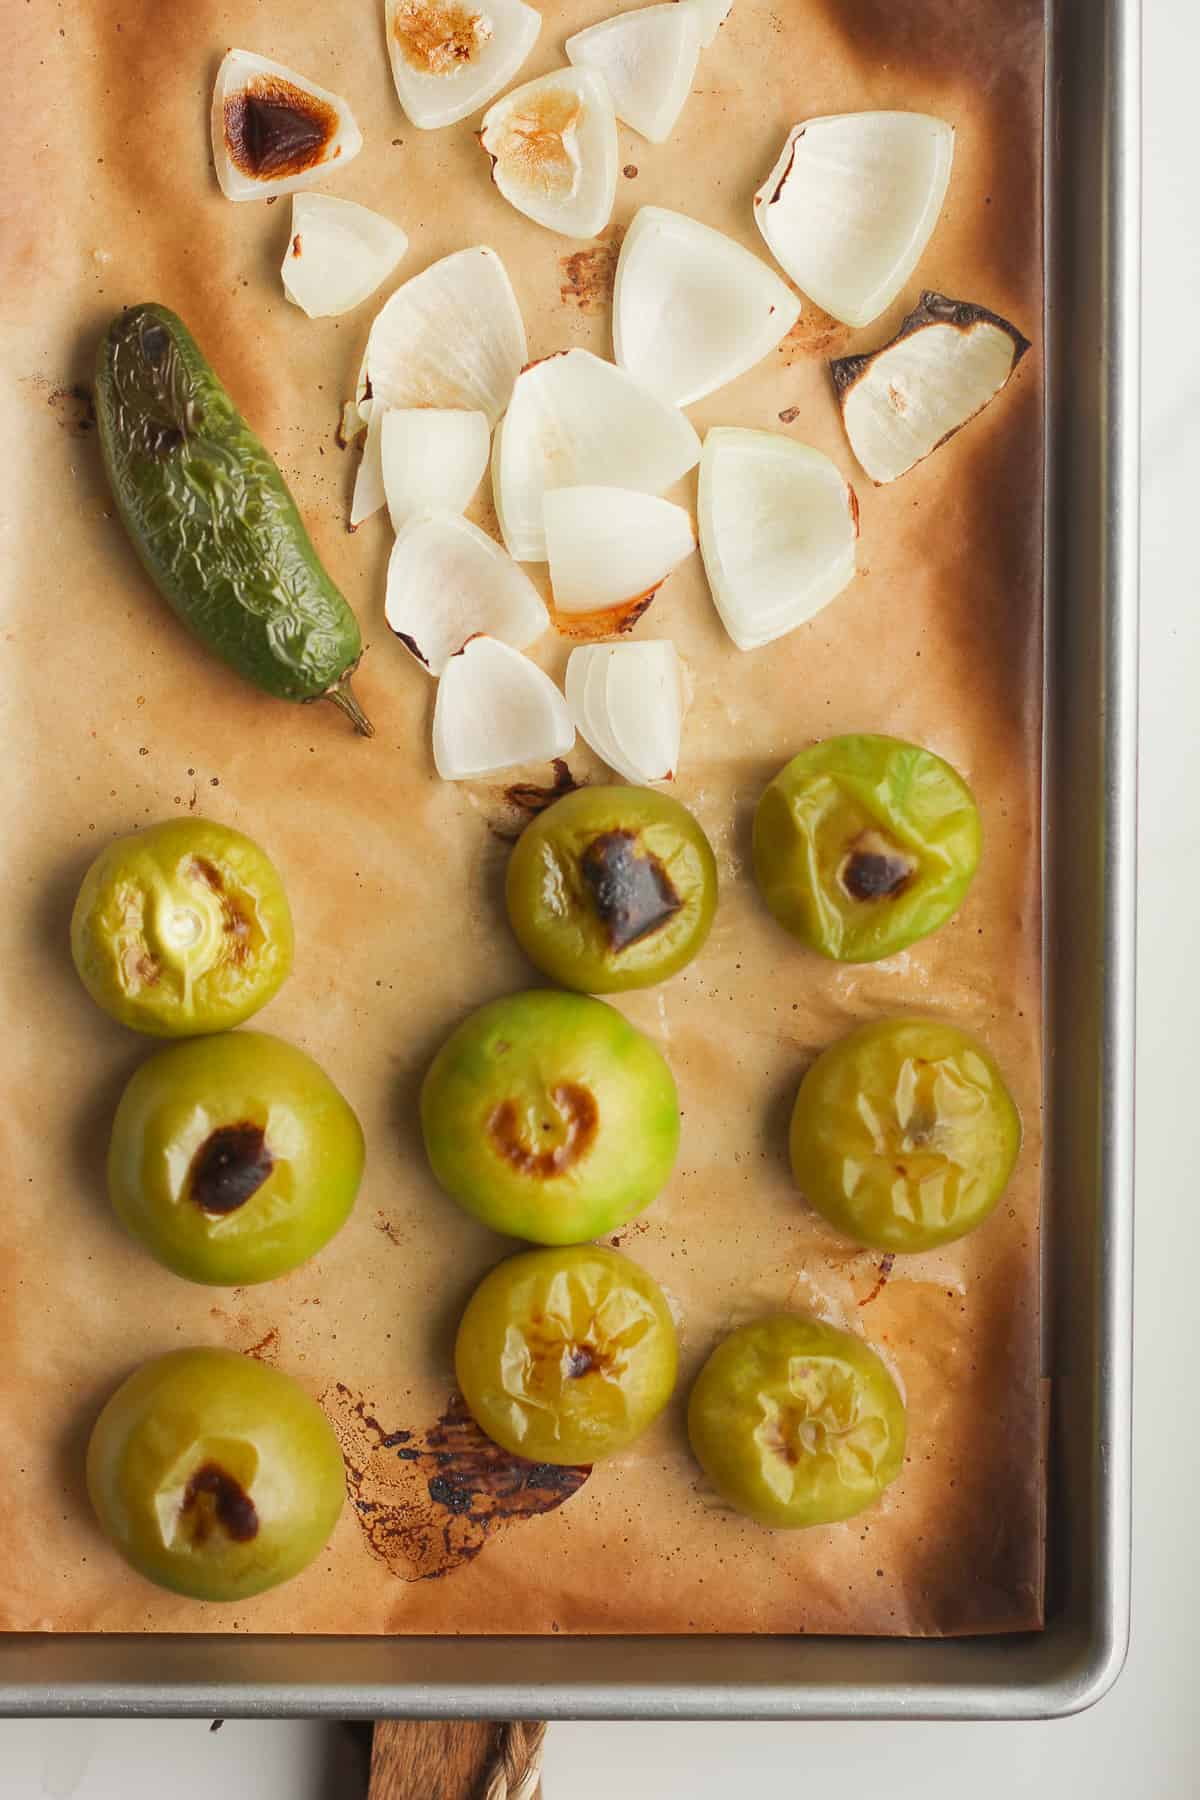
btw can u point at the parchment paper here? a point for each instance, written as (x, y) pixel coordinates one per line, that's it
(114, 718)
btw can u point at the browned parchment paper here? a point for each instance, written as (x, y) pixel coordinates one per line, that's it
(114, 718)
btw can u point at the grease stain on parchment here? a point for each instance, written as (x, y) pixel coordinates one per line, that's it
(587, 277)
(815, 333)
(238, 1326)
(524, 800)
(73, 408)
(429, 1499)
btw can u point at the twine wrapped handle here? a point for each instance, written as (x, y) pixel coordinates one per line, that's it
(467, 1759)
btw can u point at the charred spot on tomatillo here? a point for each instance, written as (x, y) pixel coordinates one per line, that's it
(630, 890)
(863, 844)
(229, 1167)
(558, 1135)
(612, 888)
(550, 1118)
(214, 1497)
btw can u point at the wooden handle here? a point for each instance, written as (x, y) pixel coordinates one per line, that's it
(446, 1759)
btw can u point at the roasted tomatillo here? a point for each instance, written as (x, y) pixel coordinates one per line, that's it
(550, 1117)
(904, 1134)
(565, 1356)
(233, 1158)
(182, 928)
(864, 844)
(612, 888)
(214, 1475)
(796, 1423)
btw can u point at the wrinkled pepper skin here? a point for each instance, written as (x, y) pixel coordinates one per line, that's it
(212, 519)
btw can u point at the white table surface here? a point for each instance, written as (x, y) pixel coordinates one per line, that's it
(1144, 1738)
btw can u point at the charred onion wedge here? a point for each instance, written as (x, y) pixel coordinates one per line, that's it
(274, 131)
(450, 57)
(553, 145)
(946, 362)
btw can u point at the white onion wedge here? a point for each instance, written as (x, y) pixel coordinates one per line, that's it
(643, 693)
(553, 145)
(627, 703)
(778, 532)
(611, 549)
(274, 131)
(350, 424)
(692, 310)
(495, 710)
(587, 670)
(851, 203)
(577, 421)
(433, 460)
(710, 16)
(947, 361)
(648, 60)
(452, 336)
(337, 255)
(448, 581)
(449, 57)
(369, 493)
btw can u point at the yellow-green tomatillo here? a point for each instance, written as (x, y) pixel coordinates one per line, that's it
(565, 1356)
(904, 1134)
(550, 1117)
(864, 844)
(796, 1423)
(612, 888)
(233, 1158)
(214, 1475)
(182, 928)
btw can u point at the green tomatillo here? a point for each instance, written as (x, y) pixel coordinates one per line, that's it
(612, 888)
(233, 1158)
(904, 1134)
(796, 1422)
(214, 1475)
(549, 1117)
(182, 928)
(864, 844)
(565, 1356)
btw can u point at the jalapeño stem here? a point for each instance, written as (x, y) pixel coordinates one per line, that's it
(345, 699)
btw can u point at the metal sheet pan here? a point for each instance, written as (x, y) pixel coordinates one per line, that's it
(1090, 764)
